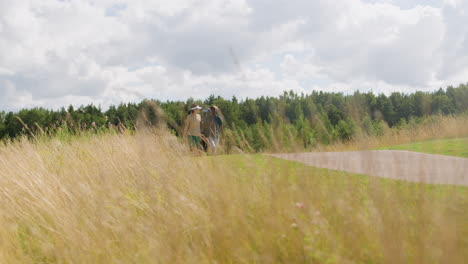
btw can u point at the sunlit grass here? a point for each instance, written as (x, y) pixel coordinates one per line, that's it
(143, 199)
(451, 147)
(432, 129)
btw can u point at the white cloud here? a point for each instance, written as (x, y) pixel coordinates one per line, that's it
(59, 52)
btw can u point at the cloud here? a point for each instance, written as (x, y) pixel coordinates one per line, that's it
(379, 42)
(59, 52)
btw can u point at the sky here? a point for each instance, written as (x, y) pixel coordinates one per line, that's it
(54, 53)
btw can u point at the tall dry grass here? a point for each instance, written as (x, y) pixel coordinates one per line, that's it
(142, 199)
(434, 127)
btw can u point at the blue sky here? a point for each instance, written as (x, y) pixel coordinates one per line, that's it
(56, 53)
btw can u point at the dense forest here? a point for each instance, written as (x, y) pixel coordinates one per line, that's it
(256, 124)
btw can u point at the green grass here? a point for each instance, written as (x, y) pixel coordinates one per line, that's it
(369, 219)
(451, 147)
(256, 163)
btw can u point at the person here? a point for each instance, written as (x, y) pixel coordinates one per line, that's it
(205, 117)
(212, 127)
(192, 128)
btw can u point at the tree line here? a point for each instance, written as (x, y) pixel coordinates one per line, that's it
(255, 124)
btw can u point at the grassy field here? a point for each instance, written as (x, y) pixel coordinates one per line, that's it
(142, 199)
(434, 129)
(451, 147)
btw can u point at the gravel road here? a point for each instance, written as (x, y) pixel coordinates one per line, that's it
(394, 164)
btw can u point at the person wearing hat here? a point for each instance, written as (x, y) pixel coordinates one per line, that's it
(212, 127)
(192, 127)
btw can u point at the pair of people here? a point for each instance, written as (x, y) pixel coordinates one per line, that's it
(203, 132)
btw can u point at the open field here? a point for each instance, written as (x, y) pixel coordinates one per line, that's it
(141, 198)
(445, 135)
(451, 147)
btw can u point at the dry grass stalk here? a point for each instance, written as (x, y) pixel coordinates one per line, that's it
(139, 198)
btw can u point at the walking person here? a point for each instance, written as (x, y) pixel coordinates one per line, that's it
(212, 127)
(192, 128)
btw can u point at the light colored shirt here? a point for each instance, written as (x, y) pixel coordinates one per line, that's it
(193, 125)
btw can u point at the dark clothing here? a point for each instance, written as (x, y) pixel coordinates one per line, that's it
(194, 142)
(210, 125)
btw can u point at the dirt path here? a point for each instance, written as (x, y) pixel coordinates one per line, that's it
(395, 164)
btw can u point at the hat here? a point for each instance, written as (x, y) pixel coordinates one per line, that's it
(195, 107)
(215, 108)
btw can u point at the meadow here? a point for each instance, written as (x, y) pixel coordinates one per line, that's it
(446, 135)
(143, 198)
(457, 147)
